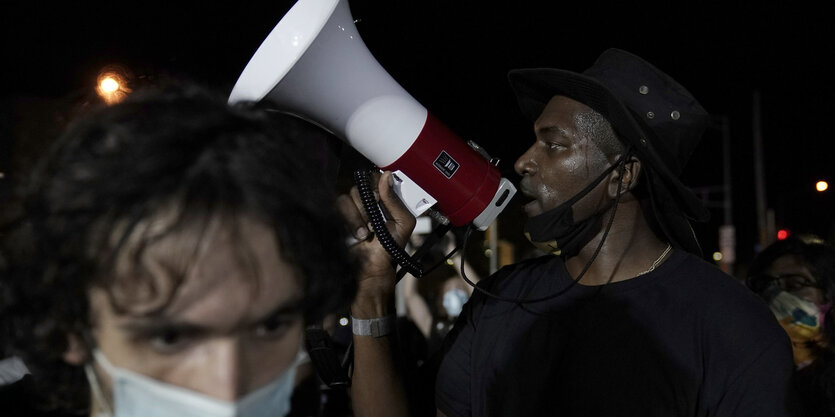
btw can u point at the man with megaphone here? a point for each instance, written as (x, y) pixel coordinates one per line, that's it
(621, 316)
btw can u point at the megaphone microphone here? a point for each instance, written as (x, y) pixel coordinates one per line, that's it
(314, 64)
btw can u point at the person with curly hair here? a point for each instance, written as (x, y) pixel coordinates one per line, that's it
(166, 256)
(796, 276)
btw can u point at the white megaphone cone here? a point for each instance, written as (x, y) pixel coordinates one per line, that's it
(315, 65)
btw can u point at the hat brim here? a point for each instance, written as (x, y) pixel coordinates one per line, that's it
(535, 87)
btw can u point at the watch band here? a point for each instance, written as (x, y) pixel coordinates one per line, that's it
(377, 327)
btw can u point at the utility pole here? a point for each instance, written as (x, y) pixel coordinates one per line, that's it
(759, 174)
(727, 232)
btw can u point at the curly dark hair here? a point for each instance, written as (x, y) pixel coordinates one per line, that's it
(125, 164)
(816, 383)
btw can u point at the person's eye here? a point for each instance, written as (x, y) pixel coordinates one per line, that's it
(168, 341)
(274, 327)
(791, 283)
(553, 146)
(809, 283)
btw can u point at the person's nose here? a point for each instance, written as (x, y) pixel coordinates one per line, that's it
(526, 165)
(223, 374)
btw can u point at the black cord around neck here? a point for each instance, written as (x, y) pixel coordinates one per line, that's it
(521, 301)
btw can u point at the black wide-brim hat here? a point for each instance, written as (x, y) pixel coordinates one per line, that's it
(648, 110)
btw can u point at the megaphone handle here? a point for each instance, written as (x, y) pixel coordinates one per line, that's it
(375, 216)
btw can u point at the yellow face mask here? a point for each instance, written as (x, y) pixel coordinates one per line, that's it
(805, 341)
(802, 320)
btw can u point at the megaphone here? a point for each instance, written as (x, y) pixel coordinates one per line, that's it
(314, 64)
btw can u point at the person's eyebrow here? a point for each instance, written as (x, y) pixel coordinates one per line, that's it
(795, 274)
(552, 129)
(290, 307)
(159, 324)
(154, 326)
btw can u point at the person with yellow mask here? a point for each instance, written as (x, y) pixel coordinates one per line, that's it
(796, 277)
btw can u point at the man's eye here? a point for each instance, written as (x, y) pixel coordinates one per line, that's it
(274, 327)
(167, 341)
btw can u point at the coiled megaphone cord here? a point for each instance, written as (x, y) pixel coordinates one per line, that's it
(431, 240)
(378, 225)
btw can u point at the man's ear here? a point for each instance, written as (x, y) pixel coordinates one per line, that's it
(628, 181)
(76, 353)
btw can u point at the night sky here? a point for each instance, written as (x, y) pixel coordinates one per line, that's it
(453, 56)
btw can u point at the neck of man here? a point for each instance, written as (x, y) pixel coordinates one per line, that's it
(97, 409)
(629, 249)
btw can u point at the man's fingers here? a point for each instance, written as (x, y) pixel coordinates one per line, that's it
(354, 215)
(399, 215)
(400, 220)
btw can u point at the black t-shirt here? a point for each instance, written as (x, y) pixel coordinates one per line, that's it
(683, 340)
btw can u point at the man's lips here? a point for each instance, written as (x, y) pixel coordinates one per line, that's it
(531, 208)
(526, 189)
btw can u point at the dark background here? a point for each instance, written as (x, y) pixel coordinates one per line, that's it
(453, 56)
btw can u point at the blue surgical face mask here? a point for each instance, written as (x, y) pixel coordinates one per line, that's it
(137, 395)
(454, 300)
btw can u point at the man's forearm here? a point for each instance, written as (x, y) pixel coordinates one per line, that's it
(376, 385)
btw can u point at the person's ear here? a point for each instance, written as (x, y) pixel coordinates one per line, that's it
(628, 181)
(76, 353)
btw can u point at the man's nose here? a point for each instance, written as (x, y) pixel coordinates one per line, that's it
(526, 165)
(222, 374)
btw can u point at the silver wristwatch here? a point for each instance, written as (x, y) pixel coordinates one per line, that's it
(377, 327)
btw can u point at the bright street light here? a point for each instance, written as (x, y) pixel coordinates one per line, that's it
(112, 84)
(821, 186)
(109, 85)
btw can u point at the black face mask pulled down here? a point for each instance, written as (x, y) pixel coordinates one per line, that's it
(555, 230)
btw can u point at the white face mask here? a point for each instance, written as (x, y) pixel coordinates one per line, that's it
(137, 395)
(454, 300)
(790, 308)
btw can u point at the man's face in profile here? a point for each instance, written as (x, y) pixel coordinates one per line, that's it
(233, 325)
(561, 162)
